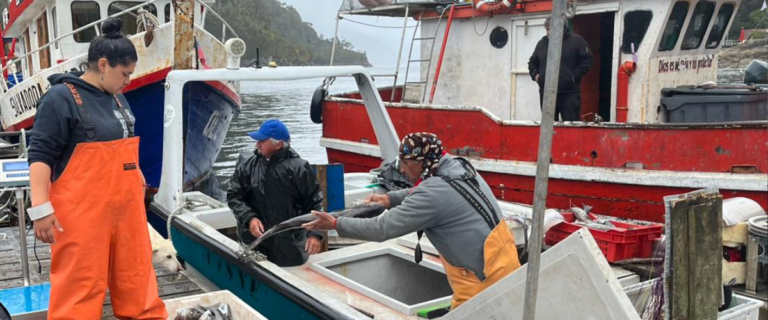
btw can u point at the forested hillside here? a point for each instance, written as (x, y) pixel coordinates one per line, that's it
(749, 16)
(279, 33)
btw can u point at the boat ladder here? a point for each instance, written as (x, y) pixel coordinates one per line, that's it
(418, 36)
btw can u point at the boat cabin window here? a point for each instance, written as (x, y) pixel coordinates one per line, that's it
(55, 23)
(718, 28)
(167, 13)
(702, 14)
(84, 13)
(635, 26)
(130, 23)
(16, 45)
(674, 25)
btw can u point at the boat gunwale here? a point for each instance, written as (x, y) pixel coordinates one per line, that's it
(755, 124)
(284, 288)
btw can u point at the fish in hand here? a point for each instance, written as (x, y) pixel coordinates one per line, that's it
(368, 210)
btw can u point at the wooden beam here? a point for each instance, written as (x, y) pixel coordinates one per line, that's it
(752, 265)
(184, 34)
(696, 285)
(680, 257)
(705, 236)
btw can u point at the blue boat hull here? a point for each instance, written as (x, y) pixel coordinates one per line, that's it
(208, 113)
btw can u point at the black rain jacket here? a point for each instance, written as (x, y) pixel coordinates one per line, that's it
(574, 64)
(273, 191)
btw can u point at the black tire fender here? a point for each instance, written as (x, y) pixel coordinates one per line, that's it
(316, 107)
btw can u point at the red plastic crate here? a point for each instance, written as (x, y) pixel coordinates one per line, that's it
(627, 241)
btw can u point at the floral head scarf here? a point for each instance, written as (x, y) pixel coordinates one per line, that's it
(422, 146)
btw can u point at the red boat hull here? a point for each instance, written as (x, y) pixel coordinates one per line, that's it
(732, 150)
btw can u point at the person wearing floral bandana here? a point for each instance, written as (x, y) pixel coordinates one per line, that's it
(452, 204)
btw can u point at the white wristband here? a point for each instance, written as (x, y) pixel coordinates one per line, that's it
(41, 211)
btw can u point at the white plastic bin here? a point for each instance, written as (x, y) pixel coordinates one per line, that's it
(745, 309)
(240, 310)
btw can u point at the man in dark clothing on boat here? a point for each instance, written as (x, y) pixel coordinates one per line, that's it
(574, 64)
(269, 186)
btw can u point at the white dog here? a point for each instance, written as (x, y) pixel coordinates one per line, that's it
(163, 252)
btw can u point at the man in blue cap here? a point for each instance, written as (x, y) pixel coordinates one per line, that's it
(270, 185)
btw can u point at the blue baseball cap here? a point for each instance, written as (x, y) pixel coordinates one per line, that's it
(271, 129)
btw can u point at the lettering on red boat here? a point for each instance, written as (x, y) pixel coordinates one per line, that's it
(685, 64)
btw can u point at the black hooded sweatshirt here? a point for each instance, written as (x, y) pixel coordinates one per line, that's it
(574, 64)
(58, 127)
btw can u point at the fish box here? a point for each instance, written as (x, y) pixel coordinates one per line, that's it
(627, 241)
(744, 308)
(238, 308)
(390, 277)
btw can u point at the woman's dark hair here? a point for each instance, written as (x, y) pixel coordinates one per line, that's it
(112, 45)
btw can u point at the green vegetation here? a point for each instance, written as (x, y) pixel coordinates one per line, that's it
(749, 16)
(280, 34)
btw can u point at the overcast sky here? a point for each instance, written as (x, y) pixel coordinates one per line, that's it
(380, 44)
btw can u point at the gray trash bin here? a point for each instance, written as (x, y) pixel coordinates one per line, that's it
(689, 105)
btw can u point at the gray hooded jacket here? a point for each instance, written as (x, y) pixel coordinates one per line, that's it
(452, 224)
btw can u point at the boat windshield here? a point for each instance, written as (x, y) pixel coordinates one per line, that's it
(721, 22)
(674, 25)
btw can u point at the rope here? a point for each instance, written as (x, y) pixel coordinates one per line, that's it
(375, 26)
(23, 144)
(474, 24)
(170, 219)
(189, 204)
(141, 20)
(245, 254)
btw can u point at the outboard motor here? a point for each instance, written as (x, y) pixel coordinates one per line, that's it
(756, 72)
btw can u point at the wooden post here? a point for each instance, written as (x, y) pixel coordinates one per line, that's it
(680, 259)
(184, 34)
(696, 257)
(752, 248)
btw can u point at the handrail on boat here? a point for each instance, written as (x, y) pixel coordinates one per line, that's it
(4, 86)
(224, 26)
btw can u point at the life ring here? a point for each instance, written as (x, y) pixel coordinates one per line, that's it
(316, 107)
(492, 7)
(368, 3)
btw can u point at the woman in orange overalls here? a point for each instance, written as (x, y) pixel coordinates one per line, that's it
(88, 191)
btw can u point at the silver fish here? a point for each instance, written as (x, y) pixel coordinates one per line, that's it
(369, 210)
(581, 215)
(595, 226)
(606, 223)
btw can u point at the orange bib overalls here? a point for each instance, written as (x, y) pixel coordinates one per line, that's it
(99, 202)
(499, 251)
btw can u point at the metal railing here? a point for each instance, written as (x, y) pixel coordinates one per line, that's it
(357, 5)
(95, 25)
(224, 26)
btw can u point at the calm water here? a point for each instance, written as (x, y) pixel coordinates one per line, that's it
(289, 102)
